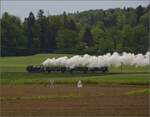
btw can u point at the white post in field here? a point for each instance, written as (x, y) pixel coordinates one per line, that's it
(51, 83)
(79, 84)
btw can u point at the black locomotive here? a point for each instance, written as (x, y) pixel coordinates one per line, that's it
(49, 69)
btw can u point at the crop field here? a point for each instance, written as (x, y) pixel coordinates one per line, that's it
(116, 93)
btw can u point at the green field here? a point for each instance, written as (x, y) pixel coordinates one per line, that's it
(18, 64)
(13, 72)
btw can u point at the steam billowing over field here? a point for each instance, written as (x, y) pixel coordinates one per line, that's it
(99, 61)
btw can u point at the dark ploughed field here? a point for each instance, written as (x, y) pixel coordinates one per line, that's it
(67, 100)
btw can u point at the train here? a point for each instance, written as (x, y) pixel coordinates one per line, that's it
(63, 69)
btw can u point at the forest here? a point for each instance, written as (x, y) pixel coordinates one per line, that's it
(94, 32)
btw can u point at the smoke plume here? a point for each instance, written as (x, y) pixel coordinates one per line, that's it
(108, 59)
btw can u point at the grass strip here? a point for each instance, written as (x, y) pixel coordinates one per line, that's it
(145, 91)
(40, 97)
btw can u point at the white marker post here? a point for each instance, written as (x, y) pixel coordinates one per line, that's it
(51, 83)
(79, 84)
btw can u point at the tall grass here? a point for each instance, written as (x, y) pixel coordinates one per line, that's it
(16, 78)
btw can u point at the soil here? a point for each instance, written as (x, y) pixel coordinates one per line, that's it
(93, 100)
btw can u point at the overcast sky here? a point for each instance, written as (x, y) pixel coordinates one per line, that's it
(22, 8)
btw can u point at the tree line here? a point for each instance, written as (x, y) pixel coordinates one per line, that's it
(93, 32)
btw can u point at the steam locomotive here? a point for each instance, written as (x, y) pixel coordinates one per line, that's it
(62, 69)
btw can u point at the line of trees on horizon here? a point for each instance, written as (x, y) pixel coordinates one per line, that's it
(93, 32)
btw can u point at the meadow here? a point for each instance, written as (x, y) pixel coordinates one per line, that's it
(13, 71)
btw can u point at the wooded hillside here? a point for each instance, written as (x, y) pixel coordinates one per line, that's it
(93, 32)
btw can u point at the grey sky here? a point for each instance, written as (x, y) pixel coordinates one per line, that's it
(22, 8)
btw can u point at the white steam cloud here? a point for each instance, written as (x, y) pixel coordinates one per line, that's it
(99, 61)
